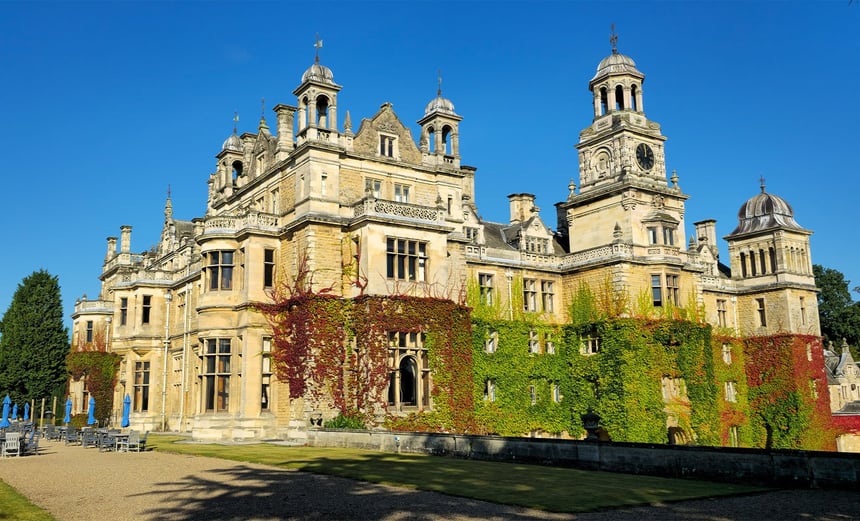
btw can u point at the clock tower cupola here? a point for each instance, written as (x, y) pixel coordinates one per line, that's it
(624, 193)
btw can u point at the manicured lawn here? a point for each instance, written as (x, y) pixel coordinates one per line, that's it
(546, 488)
(15, 506)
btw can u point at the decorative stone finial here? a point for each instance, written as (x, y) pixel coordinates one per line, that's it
(674, 178)
(761, 183)
(347, 123)
(571, 187)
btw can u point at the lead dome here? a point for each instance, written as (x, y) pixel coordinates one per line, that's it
(765, 211)
(617, 63)
(440, 104)
(318, 73)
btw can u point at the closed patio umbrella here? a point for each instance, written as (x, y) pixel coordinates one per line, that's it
(15, 412)
(68, 417)
(91, 420)
(26, 411)
(126, 411)
(4, 421)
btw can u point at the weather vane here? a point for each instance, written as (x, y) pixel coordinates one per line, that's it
(613, 39)
(761, 180)
(262, 108)
(235, 121)
(439, 82)
(318, 46)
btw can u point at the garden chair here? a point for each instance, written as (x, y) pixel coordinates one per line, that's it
(89, 438)
(51, 432)
(131, 443)
(107, 440)
(142, 442)
(32, 446)
(12, 444)
(72, 436)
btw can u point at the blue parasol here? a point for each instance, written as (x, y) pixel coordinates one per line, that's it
(126, 411)
(91, 420)
(4, 422)
(68, 417)
(27, 411)
(15, 412)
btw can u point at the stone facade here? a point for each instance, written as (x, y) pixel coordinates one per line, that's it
(375, 212)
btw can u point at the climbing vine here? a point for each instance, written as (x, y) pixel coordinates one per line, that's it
(98, 368)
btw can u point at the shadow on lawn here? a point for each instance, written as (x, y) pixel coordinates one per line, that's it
(246, 493)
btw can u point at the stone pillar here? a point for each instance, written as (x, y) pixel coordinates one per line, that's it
(332, 117)
(597, 103)
(610, 100)
(639, 106)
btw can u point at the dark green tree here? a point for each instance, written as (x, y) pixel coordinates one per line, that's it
(838, 313)
(34, 341)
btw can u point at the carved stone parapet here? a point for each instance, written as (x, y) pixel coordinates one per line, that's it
(371, 206)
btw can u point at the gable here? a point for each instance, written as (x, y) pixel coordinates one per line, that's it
(386, 122)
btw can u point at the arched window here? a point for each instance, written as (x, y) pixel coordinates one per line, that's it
(772, 253)
(604, 101)
(408, 382)
(237, 171)
(619, 97)
(763, 262)
(743, 265)
(446, 132)
(322, 112)
(633, 94)
(431, 140)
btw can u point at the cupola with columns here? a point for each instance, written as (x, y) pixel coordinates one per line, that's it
(440, 142)
(622, 170)
(317, 103)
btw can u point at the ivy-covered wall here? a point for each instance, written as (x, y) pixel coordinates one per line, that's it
(656, 378)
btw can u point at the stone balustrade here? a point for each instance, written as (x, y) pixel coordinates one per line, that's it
(233, 223)
(371, 206)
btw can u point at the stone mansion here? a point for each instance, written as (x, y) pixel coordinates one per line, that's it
(313, 191)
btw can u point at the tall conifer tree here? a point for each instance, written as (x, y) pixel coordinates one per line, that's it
(34, 342)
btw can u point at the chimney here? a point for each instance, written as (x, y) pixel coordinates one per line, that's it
(125, 239)
(706, 234)
(286, 115)
(111, 250)
(522, 207)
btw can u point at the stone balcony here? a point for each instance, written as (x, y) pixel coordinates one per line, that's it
(370, 206)
(596, 256)
(252, 220)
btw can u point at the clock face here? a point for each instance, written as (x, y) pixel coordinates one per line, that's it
(645, 156)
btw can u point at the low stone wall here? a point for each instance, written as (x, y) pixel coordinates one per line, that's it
(781, 468)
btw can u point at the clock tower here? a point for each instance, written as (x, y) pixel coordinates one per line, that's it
(624, 194)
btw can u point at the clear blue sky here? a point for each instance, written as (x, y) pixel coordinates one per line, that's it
(106, 104)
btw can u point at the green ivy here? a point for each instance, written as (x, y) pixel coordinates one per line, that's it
(99, 369)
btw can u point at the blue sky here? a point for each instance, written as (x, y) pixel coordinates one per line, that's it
(106, 104)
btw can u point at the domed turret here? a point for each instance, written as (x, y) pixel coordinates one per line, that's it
(232, 144)
(765, 211)
(617, 63)
(440, 104)
(318, 73)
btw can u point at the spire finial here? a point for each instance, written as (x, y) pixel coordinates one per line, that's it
(613, 39)
(168, 191)
(439, 82)
(262, 109)
(235, 121)
(761, 181)
(318, 46)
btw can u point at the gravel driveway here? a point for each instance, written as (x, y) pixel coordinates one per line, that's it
(77, 484)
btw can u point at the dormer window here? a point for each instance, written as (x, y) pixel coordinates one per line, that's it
(387, 145)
